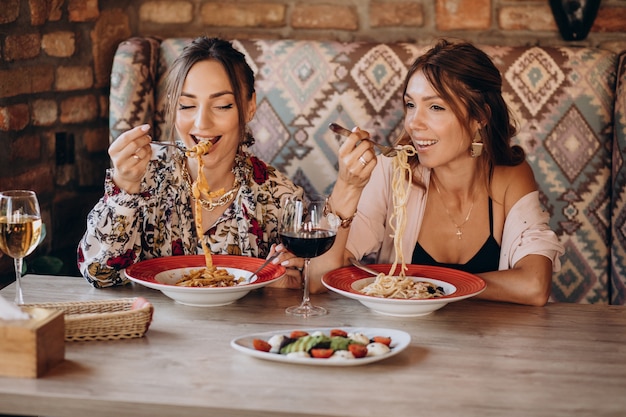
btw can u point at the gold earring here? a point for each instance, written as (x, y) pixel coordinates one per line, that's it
(477, 146)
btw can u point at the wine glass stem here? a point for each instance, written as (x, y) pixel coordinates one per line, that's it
(306, 299)
(19, 297)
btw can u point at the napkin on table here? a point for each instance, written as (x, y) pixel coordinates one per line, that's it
(10, 311)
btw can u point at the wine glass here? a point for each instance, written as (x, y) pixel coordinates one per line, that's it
(305, 230)
(20, 229)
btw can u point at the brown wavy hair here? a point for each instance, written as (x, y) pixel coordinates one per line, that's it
(240, 75)
(467, 79)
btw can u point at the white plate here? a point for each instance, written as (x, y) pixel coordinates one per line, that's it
(458, 285)
(399, 341)
(162, 273)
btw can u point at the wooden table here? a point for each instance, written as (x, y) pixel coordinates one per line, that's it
(471, 358)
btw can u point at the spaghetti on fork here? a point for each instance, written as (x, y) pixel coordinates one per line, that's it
(210, 276)
(391, 285)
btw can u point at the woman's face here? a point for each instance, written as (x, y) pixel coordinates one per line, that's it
(207, 110)
(437, 134)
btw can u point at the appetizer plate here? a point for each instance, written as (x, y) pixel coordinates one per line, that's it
(399, 341)
(457, 285)
(162, 273)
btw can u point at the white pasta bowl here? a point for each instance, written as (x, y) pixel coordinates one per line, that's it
(457, 285)
(162, 273)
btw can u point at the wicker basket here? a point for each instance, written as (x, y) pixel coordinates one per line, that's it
(102, 320)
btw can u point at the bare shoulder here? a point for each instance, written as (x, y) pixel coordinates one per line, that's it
(510, 183)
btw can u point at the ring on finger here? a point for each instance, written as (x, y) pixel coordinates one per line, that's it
(362, 160)
(137, 158)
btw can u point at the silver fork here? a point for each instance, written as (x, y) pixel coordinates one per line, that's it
(389, 151)
(263, 265)
(185, 151)
(173, 145)
(367, 269)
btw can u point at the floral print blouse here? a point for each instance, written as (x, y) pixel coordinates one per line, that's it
(123, 228)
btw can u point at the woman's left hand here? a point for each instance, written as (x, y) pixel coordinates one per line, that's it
(293, 265)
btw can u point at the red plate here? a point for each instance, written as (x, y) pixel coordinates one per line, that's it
(161, 274)
(457, 285)
(466, 284)
(147, 270)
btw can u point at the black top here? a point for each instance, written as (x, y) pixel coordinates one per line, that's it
(486, 259)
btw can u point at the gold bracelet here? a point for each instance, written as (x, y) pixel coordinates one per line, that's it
(332, 216)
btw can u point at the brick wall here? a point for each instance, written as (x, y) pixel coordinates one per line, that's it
(55, 59)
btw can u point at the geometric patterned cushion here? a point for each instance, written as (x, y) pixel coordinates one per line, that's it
(133, 77)
(617, 287)
(562, 98)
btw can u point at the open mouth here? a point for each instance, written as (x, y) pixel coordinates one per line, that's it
(199, 139)
(422, 145)
(202, 145)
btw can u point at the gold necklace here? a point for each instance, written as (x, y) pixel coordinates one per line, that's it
(220, 201)
(459, 232)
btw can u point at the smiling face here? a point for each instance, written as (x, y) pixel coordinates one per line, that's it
(437, 134)
(207, 111)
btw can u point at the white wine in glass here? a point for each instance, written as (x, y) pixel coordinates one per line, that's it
(20, 229)
(306, 231)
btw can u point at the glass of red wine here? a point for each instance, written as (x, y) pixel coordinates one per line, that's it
(305, 230)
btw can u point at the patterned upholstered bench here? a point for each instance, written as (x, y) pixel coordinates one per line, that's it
(570, 104)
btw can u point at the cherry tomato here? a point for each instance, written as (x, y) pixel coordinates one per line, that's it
(382, 339)
(358, 350)
(261, 345)
(296, 334)
(338, 332)
(321, 353)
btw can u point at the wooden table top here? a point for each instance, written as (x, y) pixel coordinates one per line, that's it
(471, 358)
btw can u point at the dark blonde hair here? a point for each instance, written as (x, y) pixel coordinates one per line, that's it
(467, 79)
(239, 73)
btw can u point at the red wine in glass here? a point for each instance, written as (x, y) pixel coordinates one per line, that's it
(306, 231)
(309, 244)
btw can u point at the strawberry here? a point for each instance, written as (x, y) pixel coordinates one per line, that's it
(321, 353)
(296, 334)
(382, 339)
(261, 345)
(338, 332)
(358, 350)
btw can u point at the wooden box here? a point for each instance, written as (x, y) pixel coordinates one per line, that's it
(29, 348)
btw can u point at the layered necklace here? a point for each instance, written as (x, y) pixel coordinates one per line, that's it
(222, 200)
(458, 227)
(216, 199)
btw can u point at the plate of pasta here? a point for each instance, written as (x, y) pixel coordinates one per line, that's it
(186, 280)
(421, 291)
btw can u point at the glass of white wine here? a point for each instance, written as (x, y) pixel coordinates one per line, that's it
(20, 229)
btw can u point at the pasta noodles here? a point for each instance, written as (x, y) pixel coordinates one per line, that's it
(400, 186)
(210, 276)
(199, 187)
(391, 285)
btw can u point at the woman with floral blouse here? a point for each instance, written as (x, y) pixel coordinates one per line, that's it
(147, 210)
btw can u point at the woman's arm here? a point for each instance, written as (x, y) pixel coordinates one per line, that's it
(528, 282)
(122, 225)
(109, 242)
(344, 199)
(528, 245)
